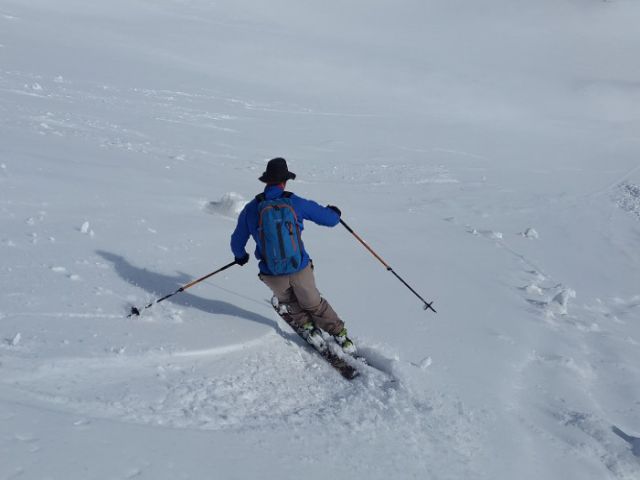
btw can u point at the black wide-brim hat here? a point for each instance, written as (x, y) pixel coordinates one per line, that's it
(277, 172)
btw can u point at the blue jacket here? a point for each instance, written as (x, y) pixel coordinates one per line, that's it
(248, 223)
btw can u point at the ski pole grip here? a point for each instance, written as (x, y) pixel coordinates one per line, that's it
(346, 226)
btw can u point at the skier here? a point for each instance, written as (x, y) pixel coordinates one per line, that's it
(275, 221)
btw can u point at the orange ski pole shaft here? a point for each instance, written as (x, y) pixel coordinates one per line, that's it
(427, 305)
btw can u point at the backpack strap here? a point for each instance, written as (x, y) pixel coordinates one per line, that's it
(262, 197)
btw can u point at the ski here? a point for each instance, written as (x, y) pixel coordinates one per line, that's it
(343, 367)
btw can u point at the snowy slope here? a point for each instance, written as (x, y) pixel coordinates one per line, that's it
(488, 150)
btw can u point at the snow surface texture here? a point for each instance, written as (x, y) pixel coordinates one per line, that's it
(489, 151)
(628, 198)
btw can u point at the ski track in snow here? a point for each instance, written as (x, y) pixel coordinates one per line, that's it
(168, 107)
(191, 110)
(274, 385)
(379, 173)
(589, 432)
(172, 107)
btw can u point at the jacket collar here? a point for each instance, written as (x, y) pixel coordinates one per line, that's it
(273, 191)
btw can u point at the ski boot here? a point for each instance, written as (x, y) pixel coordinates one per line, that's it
(345, 342)
(307, 331)
(313, 336)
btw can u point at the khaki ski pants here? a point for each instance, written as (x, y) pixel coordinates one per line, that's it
(299, 292)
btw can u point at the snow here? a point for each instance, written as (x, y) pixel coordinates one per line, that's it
(230, 205)
(15, 340)
(531, 233)
(449, 134)
(628, 198)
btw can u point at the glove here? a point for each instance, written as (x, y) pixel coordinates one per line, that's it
(243, 259)
(335, 209)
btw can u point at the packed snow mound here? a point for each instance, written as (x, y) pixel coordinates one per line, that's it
(560, 302)
(230, 205)
(530, 233)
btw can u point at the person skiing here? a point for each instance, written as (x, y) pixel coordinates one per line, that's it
(274, 219)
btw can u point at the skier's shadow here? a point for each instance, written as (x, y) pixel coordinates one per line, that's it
(634, 442)
(156, 283)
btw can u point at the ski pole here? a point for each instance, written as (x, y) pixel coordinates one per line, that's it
(135, 311)
(427, 305)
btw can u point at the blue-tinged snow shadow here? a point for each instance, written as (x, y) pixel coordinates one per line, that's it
(634, 442)
(159, 285)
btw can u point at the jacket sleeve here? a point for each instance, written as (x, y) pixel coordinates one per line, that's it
(240, 235)
(310, 210)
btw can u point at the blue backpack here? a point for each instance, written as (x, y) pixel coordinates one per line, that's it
(279, 234)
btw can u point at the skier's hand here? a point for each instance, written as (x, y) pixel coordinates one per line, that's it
(243, 259)
(335, 209)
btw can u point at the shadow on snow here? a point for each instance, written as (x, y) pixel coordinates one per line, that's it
(155, 283)
(634, 442)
